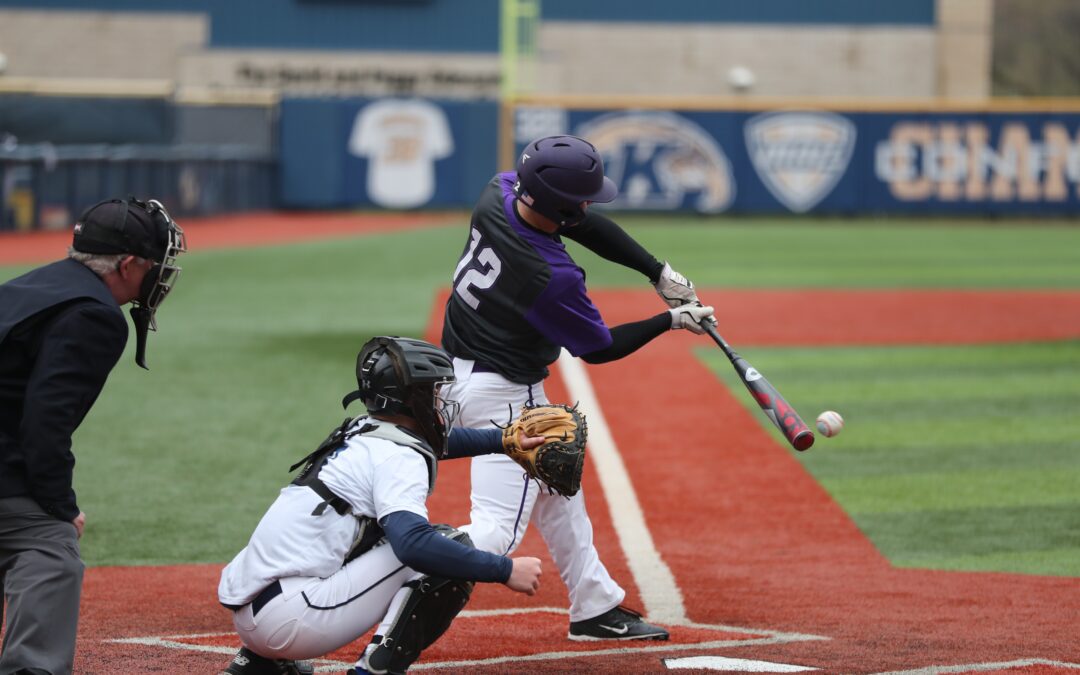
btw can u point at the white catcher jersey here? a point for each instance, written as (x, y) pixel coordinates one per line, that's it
(375, 476)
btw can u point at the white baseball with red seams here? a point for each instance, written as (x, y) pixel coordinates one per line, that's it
(829, 423)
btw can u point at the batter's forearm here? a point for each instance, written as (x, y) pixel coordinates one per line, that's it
(630, 337)
(604, 237)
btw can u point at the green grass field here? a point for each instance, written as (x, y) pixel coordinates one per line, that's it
(954, 457)
(959, 457)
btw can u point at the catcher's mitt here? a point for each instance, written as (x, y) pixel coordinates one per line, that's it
(559, 461)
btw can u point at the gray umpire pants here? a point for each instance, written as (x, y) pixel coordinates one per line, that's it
(41, 574)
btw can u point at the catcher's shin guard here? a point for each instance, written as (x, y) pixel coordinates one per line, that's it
(429, 606)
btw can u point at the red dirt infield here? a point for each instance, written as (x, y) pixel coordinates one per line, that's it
(769, 567)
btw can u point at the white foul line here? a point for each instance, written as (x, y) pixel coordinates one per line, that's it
(977, 667)
(661, 595)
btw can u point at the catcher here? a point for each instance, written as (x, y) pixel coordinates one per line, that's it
(347, 545)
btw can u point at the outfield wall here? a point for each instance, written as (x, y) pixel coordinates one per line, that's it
(747, 159)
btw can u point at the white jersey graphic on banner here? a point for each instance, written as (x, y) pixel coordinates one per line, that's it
(401, 138)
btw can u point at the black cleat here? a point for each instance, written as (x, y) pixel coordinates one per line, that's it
(619, 623)
(247, 662)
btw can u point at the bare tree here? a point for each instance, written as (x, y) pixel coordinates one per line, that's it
(1035, 50)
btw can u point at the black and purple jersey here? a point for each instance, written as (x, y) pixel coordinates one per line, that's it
(517, 297)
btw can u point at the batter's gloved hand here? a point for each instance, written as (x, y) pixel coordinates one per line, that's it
(690, 316)
(675, 289)
(559, 461)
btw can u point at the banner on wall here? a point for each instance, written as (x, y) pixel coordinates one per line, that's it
(409, 153)
(803, 161)
(390, 153)
(662, 161)
(799, 157)
(401, 139)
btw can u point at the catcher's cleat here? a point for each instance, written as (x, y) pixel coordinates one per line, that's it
(247, 662)
(619, 623)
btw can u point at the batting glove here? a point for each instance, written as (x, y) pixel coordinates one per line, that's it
(675, 289)
(690, 316)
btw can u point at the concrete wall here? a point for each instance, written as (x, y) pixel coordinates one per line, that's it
(690, 59)
(575, 57)
(217, 72)
(965, 32)
(104, 45)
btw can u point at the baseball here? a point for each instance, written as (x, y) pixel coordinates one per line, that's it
(829, 423)
(741, 78)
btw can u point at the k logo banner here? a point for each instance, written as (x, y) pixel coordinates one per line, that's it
(661, 161)
(800, 156)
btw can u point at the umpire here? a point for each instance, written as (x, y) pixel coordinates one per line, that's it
(61, 333)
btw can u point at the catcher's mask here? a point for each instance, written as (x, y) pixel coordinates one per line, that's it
(143, 229)
(556, 174)
(402, 376)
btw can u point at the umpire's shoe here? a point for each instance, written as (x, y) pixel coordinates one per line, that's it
(619, 623)
(247, 662)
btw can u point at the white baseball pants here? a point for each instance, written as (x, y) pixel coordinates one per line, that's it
(312, 617)
(504, 499)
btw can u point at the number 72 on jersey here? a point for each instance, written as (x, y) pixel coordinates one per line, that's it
(479, 276)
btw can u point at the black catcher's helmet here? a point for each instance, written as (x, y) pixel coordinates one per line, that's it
(557, 173)
(402, 376)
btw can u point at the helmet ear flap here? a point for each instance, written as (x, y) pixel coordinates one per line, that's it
(378, 377)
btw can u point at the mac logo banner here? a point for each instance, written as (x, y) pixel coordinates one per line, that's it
(800, 156)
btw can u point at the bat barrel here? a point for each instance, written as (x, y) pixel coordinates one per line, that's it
(779, 412)
(803, 440)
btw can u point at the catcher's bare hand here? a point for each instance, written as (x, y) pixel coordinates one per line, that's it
(525, 576)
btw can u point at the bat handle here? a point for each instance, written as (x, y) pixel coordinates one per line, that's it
(710, 328)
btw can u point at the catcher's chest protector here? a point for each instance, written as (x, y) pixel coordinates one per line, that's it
(370, 533)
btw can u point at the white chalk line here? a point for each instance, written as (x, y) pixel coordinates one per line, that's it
(982, 667)
(660, 594)
(765, 637)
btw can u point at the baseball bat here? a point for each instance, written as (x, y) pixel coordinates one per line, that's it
(772, 403)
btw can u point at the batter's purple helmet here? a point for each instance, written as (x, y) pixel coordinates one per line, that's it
(557, 173)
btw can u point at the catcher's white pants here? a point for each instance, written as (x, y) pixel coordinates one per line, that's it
(504, 499)
(312, 617)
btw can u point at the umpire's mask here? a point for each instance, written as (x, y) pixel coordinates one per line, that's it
(144, 229)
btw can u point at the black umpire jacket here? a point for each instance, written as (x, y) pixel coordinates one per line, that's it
(61, 333)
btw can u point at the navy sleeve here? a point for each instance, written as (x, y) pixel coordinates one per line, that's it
(630, 337)
(605, 238)
(472, 442)
(418, 545)
(79, 349)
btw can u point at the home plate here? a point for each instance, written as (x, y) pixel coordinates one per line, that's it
(740, 665)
